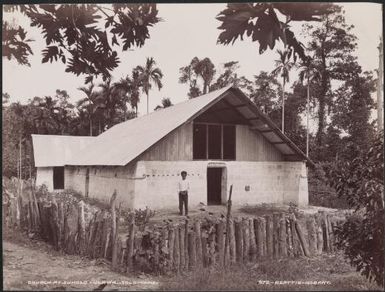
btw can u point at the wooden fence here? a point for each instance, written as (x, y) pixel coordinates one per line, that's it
(75, 228)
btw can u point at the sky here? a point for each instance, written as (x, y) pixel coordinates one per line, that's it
(187, 30)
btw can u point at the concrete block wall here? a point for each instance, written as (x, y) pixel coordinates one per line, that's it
(159, 189)
(268, 182)
(44, 175)
(253, 182)
(154, 183)
(103, 180)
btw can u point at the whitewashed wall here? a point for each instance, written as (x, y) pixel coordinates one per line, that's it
(268, 182)
(278, 182)
(103, 181)
(44, 175)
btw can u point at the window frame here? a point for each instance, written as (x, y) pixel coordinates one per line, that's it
(206, 124)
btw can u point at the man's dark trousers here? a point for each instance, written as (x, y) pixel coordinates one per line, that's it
(183, 199)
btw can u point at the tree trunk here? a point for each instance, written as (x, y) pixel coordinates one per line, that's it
(322, 103)
(148, 106)
(90, 127)
(307, 117)
(283, 105)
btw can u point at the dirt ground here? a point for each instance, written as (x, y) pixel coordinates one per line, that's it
(35, 266)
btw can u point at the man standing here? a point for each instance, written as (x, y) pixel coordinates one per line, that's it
(183, 188)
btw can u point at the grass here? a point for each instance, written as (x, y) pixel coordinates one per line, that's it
(333, 270)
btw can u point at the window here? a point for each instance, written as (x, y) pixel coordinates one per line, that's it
(213, 141)
(199, 141)
(229, 142)
(58, 178)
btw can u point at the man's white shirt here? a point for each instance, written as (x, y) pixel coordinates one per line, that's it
(183, 185)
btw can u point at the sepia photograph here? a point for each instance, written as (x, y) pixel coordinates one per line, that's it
(192, 146)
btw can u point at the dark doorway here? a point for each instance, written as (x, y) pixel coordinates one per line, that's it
(58, 178)
(214, 186)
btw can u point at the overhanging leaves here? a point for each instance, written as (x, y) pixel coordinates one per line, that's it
(260, 22)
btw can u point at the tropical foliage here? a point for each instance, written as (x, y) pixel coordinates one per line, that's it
(149, 74)
(261, 23)
(78, 35)
(360, 181)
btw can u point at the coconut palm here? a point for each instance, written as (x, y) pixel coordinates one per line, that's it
(149, 74)
(283, 66)
(310, 73)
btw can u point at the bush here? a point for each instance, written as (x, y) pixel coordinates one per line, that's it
(360, 182)
(320, 191)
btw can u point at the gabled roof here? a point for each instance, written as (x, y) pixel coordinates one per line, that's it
(56, 150)
(124, 142)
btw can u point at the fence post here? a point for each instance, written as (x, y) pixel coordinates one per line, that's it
(238, 240)
(246, 239)
(81, 227)
(221, 242)
(130, 243)
(191, 250)
(301, 239)
(282, 236)
(269, 235)
(227, 230)
(253, 243)
(181, 246)
(275, 235)
(312, 235)
(114, 230)
(177, 249)
(197, 229)
(171, 242)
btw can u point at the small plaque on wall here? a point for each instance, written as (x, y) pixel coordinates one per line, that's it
(247, 188)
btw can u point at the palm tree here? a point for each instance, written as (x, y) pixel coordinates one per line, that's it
(90, 99)
(283, 66)
(149, 74)
(206, 70)
(128, 88)
(310, 73)
(111, 103)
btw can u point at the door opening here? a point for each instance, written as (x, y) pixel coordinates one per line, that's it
(214, 185)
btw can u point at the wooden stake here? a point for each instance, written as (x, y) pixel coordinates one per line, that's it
(220, 227)
(269, 235)
(276, 235)
(191, 250)
(197, 230)
(177, 250)
(312, 235)
(114, 230)
(238, 241)
(130, 244)
(246, 240)
(182, 246)
(186, 256)
(171, 242)
(253, 242)
(232, 244)
(302, 239)
(282, 236)
(227, 230)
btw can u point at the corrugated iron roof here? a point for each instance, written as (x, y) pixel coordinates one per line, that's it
(124, 142)
(56, 150)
